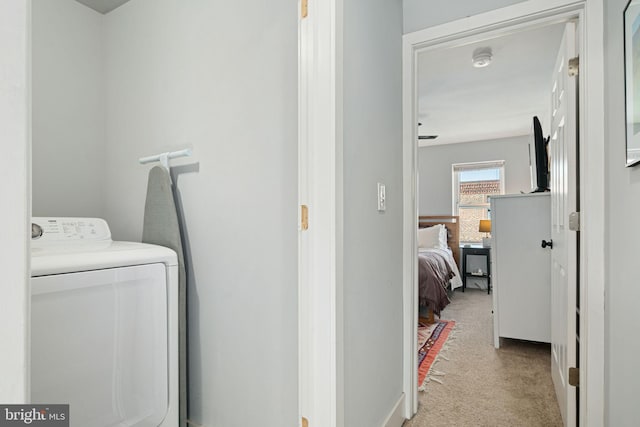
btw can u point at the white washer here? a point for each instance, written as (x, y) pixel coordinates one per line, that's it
(104, 332)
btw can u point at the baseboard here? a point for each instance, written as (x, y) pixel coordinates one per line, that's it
(395, 418)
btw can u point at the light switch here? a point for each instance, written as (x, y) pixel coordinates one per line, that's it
(382, 201)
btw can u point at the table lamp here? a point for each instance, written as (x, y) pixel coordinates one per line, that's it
(485, 227)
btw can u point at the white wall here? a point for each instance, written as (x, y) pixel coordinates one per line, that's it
(622, 374)
(421, 14)
(68, 109)
(15, 187)
(372, 240)
(435, 180)
(221, 77)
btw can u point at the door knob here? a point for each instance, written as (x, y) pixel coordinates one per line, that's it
(549, 244)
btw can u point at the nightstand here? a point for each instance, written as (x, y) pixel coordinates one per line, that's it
(476, 263)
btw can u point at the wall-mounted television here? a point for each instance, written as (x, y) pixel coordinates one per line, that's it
(540, 168)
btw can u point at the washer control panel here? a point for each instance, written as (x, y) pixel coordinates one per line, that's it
(52, 229)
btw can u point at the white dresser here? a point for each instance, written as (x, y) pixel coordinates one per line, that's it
(521, 267)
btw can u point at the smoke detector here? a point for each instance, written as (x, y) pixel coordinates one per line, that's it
(482, 57)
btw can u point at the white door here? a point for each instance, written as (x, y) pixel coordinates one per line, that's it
(562, 147)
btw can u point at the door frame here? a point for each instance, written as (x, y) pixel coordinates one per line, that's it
(15, 253)
(592, 149)
(320, 324)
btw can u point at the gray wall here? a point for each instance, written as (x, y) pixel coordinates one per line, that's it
(622, 296)
(372, 240)
(435, 182)
(68, 109)
(221, 77)
(421, 14)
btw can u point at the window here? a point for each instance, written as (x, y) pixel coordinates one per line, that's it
(473, 184)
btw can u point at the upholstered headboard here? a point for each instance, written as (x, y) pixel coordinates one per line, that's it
(452, 223)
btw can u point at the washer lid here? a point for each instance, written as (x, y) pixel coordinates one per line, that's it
(83, 244)
(97, 256)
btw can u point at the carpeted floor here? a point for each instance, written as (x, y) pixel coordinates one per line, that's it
(483, 386)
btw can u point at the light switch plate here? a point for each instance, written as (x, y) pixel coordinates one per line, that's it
(382, 198)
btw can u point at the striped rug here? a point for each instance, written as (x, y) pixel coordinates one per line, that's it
(431, 339)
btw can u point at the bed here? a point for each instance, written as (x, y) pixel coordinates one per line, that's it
(438, 260)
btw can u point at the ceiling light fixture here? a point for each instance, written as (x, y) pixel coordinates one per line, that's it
(482, 57)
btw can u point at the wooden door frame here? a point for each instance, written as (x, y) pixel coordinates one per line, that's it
(592, 149)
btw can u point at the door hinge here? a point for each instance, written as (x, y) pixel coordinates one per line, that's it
(304, 8)
(305, 422)
(574, 377)
(574, 66)
(304, 217)
(574, 221)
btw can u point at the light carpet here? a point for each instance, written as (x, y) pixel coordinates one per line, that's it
(483, 386)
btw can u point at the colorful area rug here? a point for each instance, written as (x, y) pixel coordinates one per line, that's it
(431, 339)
